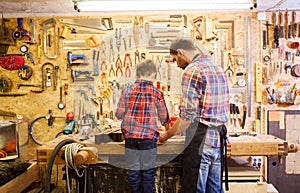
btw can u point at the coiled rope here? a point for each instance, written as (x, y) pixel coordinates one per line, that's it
(70, 151)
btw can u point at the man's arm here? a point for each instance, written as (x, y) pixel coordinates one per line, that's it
(179, 126)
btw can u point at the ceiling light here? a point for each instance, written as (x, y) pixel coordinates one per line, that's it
(156, 5)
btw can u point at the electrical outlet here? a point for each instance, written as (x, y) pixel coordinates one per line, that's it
(256, 161)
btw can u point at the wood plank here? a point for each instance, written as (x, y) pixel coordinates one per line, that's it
(245, 145)
(235, 187)
(22, 181)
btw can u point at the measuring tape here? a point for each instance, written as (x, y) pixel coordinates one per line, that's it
(241, 82)
(5, 84)
(295, 71)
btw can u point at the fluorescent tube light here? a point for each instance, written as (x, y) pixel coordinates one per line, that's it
(143, 5)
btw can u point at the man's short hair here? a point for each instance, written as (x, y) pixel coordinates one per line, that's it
(181, 43)
(145, 68)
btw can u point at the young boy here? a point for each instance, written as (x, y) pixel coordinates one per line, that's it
(139, 107)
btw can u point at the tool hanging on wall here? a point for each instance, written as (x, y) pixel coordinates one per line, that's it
(89, 23)
(95, 62)
(81, 75)
(25, 72)
(281, 26)
(229, 71)
(6, 38)
(127, 65)
(46, 67)
(136, 32)
(244, 116)
(286, 25)
(249, 62)
(11, 61)
(29, 85)
(49, 31)
(266, 35)
(32, 39)
(5, 84)
(231, 31)
(20, 32)
(276, 30)
(294, 25)
(60, 104)
(119, 70)
(118, 35)
(24, 49)
(74, 57)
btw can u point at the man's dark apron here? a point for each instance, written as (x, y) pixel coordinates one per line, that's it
(195, 137)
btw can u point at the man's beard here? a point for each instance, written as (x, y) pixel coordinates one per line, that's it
(181, 63)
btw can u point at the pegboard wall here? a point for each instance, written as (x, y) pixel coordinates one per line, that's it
(81, 64)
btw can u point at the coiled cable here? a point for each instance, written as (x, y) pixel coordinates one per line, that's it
(31, 129)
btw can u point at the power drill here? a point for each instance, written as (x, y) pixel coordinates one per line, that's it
(74, 57)
(69, 124)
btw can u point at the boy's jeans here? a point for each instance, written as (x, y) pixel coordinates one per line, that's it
(140, 157)
(209, 180)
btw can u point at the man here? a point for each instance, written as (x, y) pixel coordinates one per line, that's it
(204, 109)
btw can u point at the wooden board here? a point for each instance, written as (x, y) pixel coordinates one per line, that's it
(22, 181)
(260, 145)
(247, 187)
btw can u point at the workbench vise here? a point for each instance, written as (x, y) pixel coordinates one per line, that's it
(74, 57)
(81, 75)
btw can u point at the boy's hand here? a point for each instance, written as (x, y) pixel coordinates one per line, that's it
(163, 137)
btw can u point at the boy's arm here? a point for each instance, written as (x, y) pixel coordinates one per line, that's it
(121, 107)
(179, 126)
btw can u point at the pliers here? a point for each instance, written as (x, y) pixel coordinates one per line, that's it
(229, 69)
(103, 66)
(119, 66)
(127, 64)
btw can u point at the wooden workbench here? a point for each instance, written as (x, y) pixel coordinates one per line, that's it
(258, 145)
(245, 145)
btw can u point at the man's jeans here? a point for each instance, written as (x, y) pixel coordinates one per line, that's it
(141, 157)
(209, 180)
